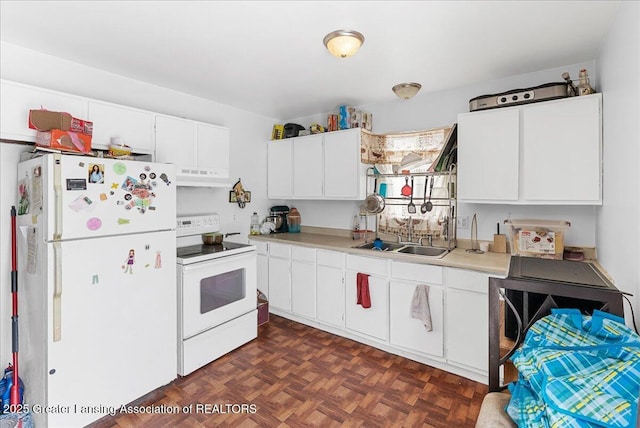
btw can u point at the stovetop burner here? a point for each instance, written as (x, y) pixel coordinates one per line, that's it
(564, 271)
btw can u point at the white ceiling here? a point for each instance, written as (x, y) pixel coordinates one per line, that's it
(268, 57)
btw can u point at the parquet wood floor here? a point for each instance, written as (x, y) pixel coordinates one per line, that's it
(293, 375)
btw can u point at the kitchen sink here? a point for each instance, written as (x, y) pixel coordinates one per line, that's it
(406, 249)
(386, 246)
(423, 251)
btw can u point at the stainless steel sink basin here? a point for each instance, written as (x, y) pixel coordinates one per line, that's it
(423, 251)
(386, 246)
(406, 249)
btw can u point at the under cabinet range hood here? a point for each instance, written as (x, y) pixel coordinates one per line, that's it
(201, 177)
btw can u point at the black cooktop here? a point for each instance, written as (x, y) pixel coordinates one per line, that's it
(202, 249)
(563, 271)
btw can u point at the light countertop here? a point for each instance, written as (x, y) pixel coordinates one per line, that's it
(495, 263)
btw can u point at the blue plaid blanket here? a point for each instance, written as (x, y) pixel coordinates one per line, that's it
(577, 371)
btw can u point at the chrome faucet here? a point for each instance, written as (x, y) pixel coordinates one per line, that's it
(409, 233)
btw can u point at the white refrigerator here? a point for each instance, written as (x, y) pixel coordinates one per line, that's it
(97, 284)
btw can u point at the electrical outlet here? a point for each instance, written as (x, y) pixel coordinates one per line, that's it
(463, 222)
(233, 217)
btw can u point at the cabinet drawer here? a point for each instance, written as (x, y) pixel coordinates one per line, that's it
(261, 247)
(429, 274)
(468, 280)
(372, 266)
(303, 254)
(279, 250)
(330, 258)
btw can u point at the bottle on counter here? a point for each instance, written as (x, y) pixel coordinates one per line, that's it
(255, 224)
(293, 220)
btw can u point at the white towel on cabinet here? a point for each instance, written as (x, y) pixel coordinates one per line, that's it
(420, 306)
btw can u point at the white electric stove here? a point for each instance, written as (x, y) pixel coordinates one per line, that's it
(217, 294)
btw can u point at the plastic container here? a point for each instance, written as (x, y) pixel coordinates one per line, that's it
(537, 238)
(293, 220)
(255, 224)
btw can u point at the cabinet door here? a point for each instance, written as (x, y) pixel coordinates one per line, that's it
(371, 321)
(176, 143)
(263, 274)
(17, 100)
(308, 168)
(112, 120)
(303, 289)
(330, 295)
(343, 175)
(562, 150)
(467, 321)
(213, 150)
(488, 155)
(409, 332)
(280, 283)
(279, 169)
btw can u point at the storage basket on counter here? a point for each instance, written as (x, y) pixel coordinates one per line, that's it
(537, 238)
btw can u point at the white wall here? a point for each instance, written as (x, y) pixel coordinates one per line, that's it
(618, 231)
(249, 134)
(432, 110)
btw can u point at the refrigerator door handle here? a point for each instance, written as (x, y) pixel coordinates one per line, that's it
(57, 292)
(57, 189)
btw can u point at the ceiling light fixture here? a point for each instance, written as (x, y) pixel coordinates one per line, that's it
(406, 90)
(343, 43)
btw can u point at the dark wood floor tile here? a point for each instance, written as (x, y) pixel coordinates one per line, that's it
(298, 376)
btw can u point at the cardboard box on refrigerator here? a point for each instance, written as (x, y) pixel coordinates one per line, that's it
(58, 139)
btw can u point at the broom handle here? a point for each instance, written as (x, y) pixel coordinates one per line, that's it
(14, 397)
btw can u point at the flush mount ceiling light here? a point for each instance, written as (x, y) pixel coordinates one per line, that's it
(343, 43)
(406, 90)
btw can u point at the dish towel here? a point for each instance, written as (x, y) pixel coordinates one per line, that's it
(364, 298)
(420, 306)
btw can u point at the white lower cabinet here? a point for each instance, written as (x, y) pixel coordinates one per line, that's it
(467, 318)
(373, 321)
(330, 288)
(263, 265)
(303, 281)
(280, 277)
(406, 331)
(319, 287)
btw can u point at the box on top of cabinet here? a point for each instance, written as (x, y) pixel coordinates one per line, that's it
(45, 120)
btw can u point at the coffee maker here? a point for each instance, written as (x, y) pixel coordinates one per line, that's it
(278, 213)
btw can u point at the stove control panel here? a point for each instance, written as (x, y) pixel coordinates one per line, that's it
(198, 224)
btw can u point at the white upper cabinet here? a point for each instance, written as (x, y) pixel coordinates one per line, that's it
(213, 145)
(18, 99)
(134, 126)
(280, 169)
(344, 175)
(320, 166)
(488, 155)
(542, 153)
(562, 149)
(200, 151)
(176, 143)
(308, 167)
